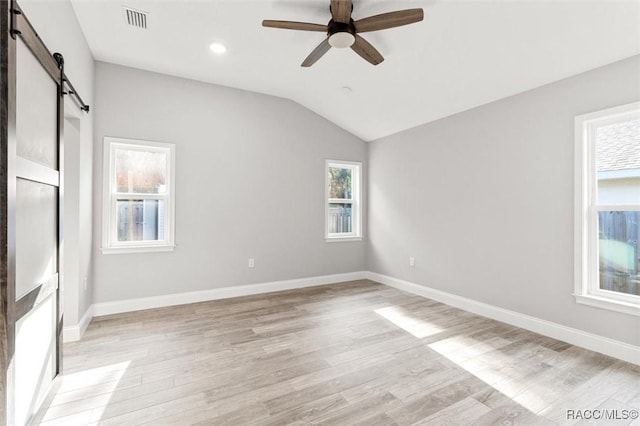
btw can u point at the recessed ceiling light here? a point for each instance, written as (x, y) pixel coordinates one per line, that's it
(218, 48)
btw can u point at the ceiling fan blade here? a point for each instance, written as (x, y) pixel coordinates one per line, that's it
(389, 20)
(291, 25)
(341, 10)
(363, 48)
(317, 53)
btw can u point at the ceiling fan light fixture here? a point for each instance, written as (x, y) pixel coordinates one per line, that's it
(342, 39)
(218, 48)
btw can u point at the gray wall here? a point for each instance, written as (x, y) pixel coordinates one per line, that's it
(48, 18)
(484, 201)
(249, 183)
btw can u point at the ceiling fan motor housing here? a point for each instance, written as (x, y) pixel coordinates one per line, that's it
(341, 35)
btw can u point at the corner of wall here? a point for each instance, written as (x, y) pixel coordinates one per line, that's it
(73, 333)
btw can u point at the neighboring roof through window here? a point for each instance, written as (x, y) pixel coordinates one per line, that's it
(618, 146)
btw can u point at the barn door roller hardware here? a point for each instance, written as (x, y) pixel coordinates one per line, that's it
(69, 90)
(54, 64)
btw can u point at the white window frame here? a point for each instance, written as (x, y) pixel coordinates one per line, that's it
(110, 243)
(356, 201)
(587, 288)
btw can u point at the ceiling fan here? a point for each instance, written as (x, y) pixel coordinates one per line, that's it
(342, 31)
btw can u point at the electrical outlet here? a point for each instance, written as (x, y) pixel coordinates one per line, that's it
(251, 262)
(412, 262)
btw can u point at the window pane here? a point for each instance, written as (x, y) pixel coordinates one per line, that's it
(140, 220)
(340, 183)
(141, 172)
(340, 219)
(619, 232)
(618, 163)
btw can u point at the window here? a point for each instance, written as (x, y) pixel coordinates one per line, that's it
(343, 210)
(607, 230)
(138, 195)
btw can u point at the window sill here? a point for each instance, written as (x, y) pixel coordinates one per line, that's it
(606, 303)
(341, 239)
(137, 249)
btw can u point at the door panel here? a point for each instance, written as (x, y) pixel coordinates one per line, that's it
(36, 110)
(35, 365)
(36, 235)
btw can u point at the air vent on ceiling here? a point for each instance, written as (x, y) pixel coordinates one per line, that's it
(135, 18)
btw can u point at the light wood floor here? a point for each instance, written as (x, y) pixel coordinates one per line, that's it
(344, 354)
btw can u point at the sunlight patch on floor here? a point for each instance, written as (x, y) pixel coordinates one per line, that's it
(68, 405)
(476, 357)
(480, 357)
(94, 376)
(415, 326)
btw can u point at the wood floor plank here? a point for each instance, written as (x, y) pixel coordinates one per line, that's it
(355, 353)
(148, 414)
(304, 413)
(511, 414)
(359, 411)
(463, 412)
(107, 399)
(423, 406)
(376, 420)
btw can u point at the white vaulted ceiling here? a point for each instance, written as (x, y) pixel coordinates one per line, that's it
(464, 53)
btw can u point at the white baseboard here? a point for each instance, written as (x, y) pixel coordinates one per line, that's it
(108, 308)
(593, 342)
(73, 333)
(604, 345)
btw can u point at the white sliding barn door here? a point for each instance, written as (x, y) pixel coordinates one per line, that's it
(31, 201)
